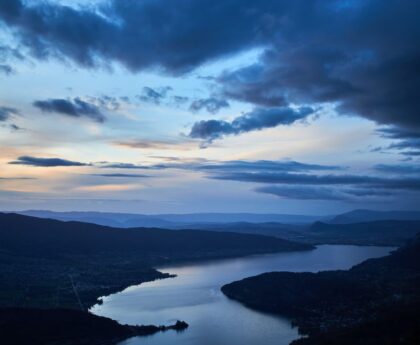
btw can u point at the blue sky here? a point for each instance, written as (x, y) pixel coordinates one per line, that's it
(206, 106)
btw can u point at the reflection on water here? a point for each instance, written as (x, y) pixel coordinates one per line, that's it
(194, 296)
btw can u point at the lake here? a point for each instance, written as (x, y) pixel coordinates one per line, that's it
(194, 296)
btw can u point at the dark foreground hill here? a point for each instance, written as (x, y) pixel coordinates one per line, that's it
(66, 326)
(375, 302)
(47, 265)
(42, 261)
(35, 236)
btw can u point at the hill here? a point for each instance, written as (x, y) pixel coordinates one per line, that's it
(41, 260)
(384, 233)
(375, 302)
(168, 221)
(357, 216)
(29, 235)
(66, 326)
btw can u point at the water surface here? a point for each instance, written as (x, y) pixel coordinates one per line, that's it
(194, 296)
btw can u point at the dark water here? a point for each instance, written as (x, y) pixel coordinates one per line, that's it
(194, 296)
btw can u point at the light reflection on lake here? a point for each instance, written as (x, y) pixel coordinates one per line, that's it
(194, 296)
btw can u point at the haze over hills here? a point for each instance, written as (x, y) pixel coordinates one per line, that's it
(170, 221)
(383, 232)
(341, 229)
(218, 220)
(358, 216)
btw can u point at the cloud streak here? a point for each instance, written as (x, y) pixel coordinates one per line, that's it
(75, 108)
(46, 162)
(258, 119)
(6, 113)
(212, 105)
(320, 193)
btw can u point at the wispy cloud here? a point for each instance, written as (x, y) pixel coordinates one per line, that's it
(46, 162)
(77, 108)
(121, 175)
(212, 104)
(258, 119)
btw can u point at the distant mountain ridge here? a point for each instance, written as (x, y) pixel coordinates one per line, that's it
(382, 232)
(204, 220)
(357, 216)
(25, 234)
(169, 221)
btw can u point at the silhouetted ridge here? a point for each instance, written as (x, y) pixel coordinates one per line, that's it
(30, 235)
(376, 302)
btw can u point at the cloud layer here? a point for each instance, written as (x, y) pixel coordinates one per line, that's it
(359, 54)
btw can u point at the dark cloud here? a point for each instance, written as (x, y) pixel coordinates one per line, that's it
(6, 113)
(121, 175)
(176, 36)
(257, 119)
(72, 108)
(14, 127)
(123, 166)
(7, 55)
(155, 96)
(312, 179)
(218, 167)
(46, 162)
(212, 105)
(398, 168)
(404, 139)
(6, 69)
(264, 165)
(109, 102)
(411, 153)
(179, 100)
(320, 193)
(361, 55)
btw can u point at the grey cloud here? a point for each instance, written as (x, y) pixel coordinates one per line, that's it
(121, 175)
(212, 104)
(265, 165)
(398, 168)
(362, 56)
(123, 166)
(155, 96)
(6, 113)
(404, 139)
(46, 162)
(185, 33)
(72, 108)
(257, 119)
(320, 193)
(311, 179)
(411, 153)
(6, 69)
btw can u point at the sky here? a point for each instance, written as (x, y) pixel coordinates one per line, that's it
(182, 106)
